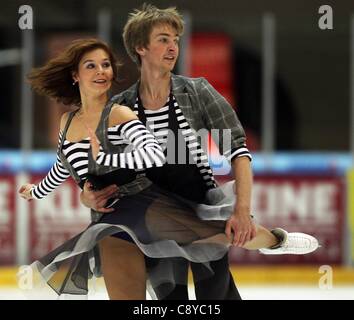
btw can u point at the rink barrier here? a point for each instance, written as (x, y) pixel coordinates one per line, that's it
(251, 275)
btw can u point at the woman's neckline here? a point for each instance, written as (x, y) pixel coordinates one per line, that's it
(87, 138)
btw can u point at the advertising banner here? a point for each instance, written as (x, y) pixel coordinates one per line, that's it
(7, 219)
(55, 219)
(310, 204)
(351, 211)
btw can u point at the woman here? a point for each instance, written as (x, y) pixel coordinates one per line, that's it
(144, 220)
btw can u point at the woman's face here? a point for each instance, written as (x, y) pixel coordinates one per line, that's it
(162, 50)
(95, 73)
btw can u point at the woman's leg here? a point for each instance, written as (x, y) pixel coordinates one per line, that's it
(123, 268)
(263, 239)
(268, 243)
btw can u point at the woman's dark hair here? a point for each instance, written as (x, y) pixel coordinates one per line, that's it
(55, 78)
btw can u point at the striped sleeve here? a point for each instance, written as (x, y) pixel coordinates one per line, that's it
(56, 176)
(241, 151)
(142, 152)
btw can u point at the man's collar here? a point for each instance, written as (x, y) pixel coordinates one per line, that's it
(178, 86)
(129, 95)
(178, 83)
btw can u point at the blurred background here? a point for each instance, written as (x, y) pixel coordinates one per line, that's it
(291, 82)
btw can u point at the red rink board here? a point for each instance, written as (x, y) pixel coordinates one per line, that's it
(311, 204)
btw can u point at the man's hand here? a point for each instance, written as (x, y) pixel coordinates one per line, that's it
(97, 199)
(95, 143)
(240, 228)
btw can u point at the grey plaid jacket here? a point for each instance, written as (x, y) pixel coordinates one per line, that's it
(202, 106)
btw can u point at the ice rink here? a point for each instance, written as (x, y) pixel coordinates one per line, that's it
(247, 292)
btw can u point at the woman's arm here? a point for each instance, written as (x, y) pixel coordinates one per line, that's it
(55, 177)
(143, 151)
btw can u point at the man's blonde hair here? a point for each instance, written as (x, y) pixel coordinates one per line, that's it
(140, 23)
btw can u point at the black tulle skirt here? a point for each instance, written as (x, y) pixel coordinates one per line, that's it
(166, 228)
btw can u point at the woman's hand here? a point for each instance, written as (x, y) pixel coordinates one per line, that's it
(25, 191)
(95, 143)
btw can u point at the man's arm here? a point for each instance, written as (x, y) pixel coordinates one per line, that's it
(240, 227)
(219, 114)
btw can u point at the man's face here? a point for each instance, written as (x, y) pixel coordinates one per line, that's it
(162, 50)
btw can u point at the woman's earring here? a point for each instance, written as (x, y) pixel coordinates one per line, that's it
(74, 82)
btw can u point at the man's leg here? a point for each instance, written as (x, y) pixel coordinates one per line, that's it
(180, 292)
(220, 286)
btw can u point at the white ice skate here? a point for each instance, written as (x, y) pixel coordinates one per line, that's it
(292, 243)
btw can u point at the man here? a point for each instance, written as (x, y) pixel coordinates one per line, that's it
(174, 108)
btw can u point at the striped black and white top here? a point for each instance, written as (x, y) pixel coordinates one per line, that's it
(157, 121)
(143, 151)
